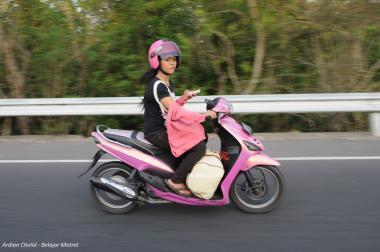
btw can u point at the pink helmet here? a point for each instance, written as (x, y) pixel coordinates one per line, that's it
(163, 48)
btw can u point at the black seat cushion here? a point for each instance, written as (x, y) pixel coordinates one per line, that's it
(135, 143)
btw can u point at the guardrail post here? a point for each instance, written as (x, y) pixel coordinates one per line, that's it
(375, 124)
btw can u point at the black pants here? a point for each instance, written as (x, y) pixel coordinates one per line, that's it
(186, 160)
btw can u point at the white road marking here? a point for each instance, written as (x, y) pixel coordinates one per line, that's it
(53, 161)
(327, 158)
(38, 161)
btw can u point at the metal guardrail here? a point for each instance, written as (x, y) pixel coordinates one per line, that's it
(243, 104)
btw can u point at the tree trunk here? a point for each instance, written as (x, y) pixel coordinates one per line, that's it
(56, 90)
(320, 65)
(231, 68)
(79, 56)
(14, 76)
(260, 48)
(7, 127)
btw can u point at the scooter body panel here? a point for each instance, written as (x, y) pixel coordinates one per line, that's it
(131, 156)
(259, 159)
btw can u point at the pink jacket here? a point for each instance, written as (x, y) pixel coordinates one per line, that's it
(184, 128)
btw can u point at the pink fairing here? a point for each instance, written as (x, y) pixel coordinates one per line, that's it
(129, 155)
(254, 158)
(164, 49)
(259, 159)
(237, 131)
(223, 106)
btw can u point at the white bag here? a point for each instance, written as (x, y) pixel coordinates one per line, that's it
(206, 175)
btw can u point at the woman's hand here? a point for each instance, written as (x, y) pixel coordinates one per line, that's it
(190, 94)
(211, 114)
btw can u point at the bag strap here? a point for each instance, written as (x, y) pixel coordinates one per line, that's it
(162, 107)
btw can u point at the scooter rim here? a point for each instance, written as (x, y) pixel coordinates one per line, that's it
(103, 200)
(268, 203)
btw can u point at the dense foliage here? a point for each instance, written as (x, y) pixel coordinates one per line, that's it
(97, 48)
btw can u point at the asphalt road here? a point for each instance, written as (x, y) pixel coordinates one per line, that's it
(330, 205)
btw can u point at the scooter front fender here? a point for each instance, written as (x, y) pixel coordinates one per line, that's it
(259, 159)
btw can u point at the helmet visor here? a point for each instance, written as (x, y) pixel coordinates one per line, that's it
(168, 49)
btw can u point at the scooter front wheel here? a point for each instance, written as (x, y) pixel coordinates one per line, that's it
(107, 201)
(258, 190)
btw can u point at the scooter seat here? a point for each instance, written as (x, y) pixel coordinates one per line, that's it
(134, 139)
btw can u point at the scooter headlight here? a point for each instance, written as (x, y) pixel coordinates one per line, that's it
(251, 146)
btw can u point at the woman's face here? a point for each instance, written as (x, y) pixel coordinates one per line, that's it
(169, 64)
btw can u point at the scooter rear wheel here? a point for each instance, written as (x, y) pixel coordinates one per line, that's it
(107, 201)
(264, 195)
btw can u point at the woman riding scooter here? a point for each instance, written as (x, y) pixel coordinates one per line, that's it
(164, 58)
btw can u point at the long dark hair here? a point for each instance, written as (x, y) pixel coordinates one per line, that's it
(145, 79)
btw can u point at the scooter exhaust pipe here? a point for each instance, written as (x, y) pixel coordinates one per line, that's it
(122, 190)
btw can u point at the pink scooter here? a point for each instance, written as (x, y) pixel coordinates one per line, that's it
(252, 180)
